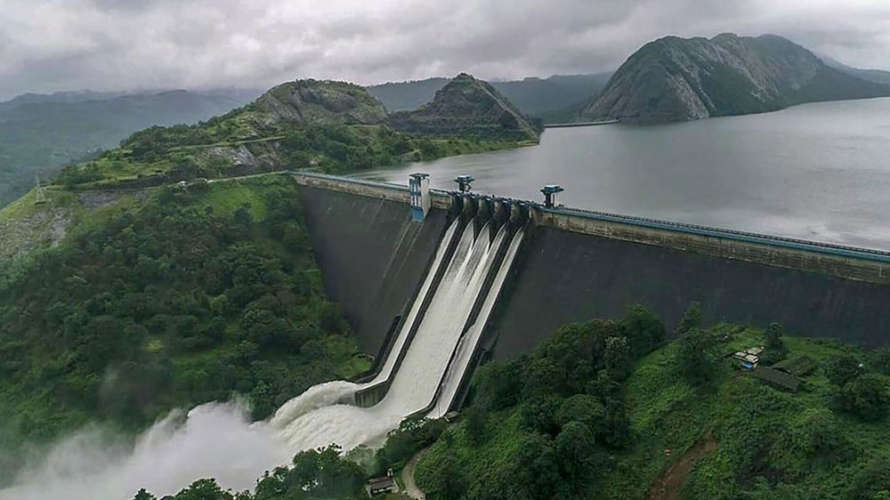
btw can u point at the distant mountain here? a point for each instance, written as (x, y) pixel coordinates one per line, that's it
(467, 106)
(676, 79)
(59, 97)
(40, 133)
(540, 96)
(872, 75)
(554, 99)
(405, 96)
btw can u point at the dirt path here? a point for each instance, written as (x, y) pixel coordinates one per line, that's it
(411, 488)
(670, 483)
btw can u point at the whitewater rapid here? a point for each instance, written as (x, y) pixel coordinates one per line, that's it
(218, 440)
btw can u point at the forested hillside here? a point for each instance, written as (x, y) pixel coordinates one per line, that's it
(41, 133)
(307, 124)
(165, 299)
(585, 416)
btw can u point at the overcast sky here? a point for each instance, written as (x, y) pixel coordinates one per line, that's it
(49, 45)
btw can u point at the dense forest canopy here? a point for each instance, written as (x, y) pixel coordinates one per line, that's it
(187, 297)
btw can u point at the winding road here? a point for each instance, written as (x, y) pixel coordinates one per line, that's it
(411, 488)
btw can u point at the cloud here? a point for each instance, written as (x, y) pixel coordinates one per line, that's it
(48, 45)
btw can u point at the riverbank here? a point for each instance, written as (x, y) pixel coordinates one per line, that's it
(580, 124)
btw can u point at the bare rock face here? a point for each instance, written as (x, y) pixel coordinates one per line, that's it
(676, 79)
(320, 102)
(467, 106)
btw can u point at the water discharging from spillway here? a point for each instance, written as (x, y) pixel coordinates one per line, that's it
(217, 439)
(310, 420)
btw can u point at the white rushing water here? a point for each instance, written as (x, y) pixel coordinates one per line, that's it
(467, 344)
(217, 440)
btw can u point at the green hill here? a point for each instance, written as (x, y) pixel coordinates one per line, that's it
(321, 125)
(40, 133)
(585, 417)
(470, 108)
(676, 79)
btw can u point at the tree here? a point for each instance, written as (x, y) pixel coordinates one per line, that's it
(203, 489)
(575, 452)
(816, 432)
(691, 319)
(617, 358)
(865, 396)
(697, 359)
(841, 370)
(242, 216)
(475, 425)
(643, 329)
(143, 495)
(616, 428)
(538, 414)
(775, 349)
(583, 408)
(324, 473)
(535, 467)
(446, 480)
(871, 481)
(882, 360)
(499, 385)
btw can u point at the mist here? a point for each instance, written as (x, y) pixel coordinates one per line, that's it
(212, 440)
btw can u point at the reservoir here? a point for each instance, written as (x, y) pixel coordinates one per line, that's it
(816, 171)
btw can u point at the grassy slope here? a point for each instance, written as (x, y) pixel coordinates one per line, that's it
(757, 429)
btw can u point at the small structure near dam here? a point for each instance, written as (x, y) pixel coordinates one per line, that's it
(570, 265)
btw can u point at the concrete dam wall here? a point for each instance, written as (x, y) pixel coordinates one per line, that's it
(565, 277)
(371, 254)
(574, 266)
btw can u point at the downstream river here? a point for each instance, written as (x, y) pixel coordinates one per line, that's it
(817, 171)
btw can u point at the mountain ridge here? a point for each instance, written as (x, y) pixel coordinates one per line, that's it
(40, 133)
(680, 79)
(466, 105)
(555, 98)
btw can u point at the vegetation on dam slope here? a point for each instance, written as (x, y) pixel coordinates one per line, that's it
(180, 297)
(684, 423)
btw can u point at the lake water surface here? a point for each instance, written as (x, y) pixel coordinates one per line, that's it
(817, 171)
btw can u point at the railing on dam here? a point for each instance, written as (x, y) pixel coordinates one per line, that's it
(844, 261)
(730, 234)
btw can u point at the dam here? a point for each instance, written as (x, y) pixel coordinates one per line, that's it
(437, 287)
(427, 352)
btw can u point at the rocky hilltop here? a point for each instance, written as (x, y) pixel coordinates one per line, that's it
(676, 79)
(467, 106)
(313, 101)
